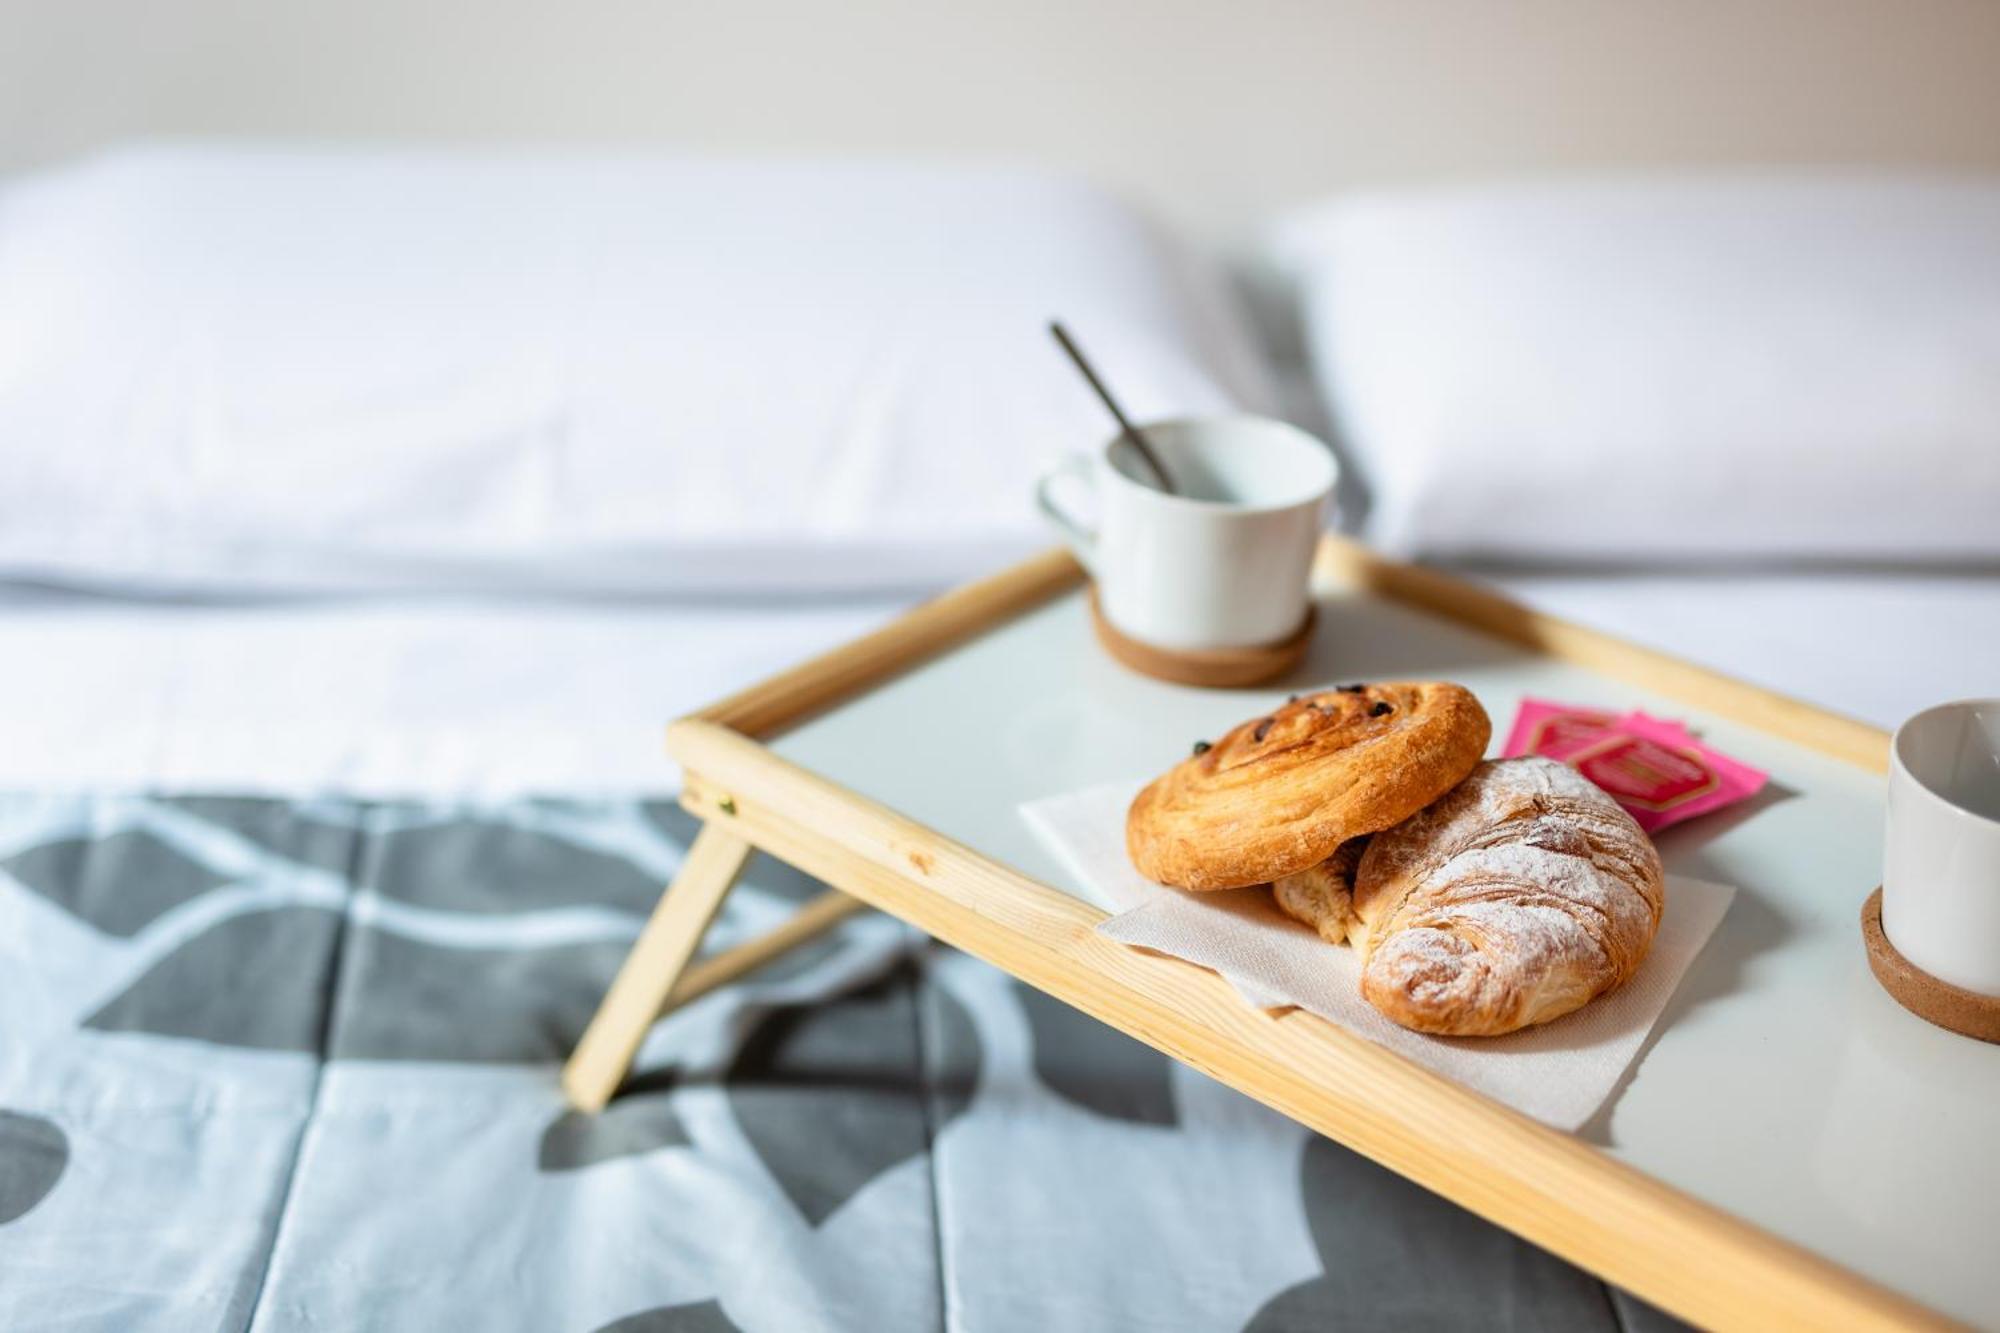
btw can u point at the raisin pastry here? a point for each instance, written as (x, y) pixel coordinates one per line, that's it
(1278, 794)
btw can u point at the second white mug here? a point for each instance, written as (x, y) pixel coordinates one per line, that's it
(1941, 863)
(1225, 562)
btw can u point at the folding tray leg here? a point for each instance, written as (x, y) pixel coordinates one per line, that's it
(814, 919)
(656, 962)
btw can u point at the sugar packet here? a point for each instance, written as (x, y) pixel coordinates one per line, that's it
(1542, 726)
(1655, 768)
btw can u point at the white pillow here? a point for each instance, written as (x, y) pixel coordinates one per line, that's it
(1689, 371)
(228, 368)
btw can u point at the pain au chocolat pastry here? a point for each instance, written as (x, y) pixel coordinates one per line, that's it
(1523, 894)
(1322, 896)
(1279, 794)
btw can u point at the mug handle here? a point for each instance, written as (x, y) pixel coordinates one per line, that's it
(1082, 540)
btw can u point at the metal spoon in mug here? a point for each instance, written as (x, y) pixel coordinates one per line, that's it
(1125, 427)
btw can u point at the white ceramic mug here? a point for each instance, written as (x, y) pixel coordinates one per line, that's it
(1941, 861)
(1225, 562)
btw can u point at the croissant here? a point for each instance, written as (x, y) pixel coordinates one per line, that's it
(1278, 794)
(1523, 894)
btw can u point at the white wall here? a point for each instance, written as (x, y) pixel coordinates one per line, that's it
(1216, 112)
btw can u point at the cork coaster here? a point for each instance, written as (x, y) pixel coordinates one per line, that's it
(1935, 1001)
(1209, 668)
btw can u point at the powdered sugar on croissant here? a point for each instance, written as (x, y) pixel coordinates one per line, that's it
(1520, 895)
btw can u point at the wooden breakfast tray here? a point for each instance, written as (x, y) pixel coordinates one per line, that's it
(1792, 1149)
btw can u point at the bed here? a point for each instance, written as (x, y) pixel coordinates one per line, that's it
(321, 837)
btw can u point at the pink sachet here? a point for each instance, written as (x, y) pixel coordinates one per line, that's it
(1654, 768)
(1543, 727)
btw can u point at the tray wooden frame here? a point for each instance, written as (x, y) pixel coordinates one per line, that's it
(1550, 1187)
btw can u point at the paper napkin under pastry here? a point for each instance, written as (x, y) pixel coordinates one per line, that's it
(1560, 1073)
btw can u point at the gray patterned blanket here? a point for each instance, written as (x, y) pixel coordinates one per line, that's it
(292, 1065)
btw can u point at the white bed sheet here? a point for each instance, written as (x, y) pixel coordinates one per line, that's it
(403, 698)
(445, 698)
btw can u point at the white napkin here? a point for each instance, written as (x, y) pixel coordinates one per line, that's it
(1560, 1073)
